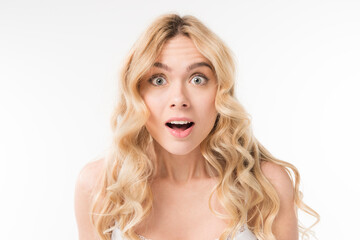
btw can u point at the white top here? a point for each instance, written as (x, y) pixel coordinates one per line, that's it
(242, 234)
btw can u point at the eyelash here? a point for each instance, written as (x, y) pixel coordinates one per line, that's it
(152, 78)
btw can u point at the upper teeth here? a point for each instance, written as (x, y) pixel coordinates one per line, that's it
(179, 122)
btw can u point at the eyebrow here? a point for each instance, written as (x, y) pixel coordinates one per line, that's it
(189, 68)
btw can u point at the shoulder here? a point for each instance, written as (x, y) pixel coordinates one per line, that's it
(285, 225)
(89, 175)
(279, 178)
(87, 182)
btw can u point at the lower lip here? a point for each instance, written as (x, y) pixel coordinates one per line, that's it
(180, 133)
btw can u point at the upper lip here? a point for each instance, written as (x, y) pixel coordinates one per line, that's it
(179, 119)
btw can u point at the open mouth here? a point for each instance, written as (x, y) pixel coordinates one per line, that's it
(183, 126)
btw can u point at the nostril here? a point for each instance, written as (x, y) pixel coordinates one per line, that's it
(183, 105)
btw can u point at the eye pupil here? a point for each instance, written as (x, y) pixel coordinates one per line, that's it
(197, 80)
(159, 81)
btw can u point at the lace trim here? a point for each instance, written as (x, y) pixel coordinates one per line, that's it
(242, 229)
(143, 238)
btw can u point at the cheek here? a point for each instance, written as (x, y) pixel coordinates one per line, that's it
(154, 105)
(208, 102)
(212, 109)
(206, 110)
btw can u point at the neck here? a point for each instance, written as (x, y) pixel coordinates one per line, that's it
(179, 169)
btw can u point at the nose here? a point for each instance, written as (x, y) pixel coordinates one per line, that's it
(178, 97)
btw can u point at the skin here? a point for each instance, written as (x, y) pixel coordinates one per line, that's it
(177, 91)
(182, 187)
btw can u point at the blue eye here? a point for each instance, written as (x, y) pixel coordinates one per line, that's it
(157, 80)
(199, 80)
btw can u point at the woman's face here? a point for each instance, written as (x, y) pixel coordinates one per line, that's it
(179, 91)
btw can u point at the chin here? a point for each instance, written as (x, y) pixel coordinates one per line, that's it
(177, 149)
(178, 152)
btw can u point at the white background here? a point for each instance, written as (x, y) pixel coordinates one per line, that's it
(298, 73)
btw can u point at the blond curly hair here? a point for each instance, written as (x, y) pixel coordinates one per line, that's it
(231, 150)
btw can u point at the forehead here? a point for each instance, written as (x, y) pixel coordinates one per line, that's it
(180, 48)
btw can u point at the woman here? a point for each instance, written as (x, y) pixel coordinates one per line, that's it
(184, 163)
